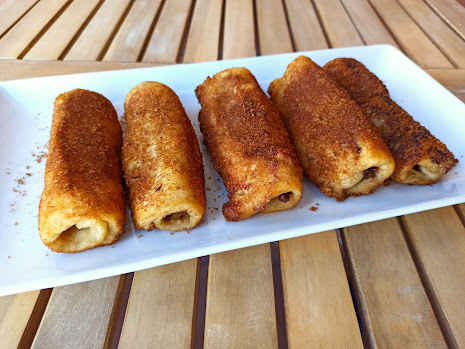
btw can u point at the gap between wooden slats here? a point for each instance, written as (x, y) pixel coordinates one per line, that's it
(436, 239)
(131, 37)
(337, 24)
(451, 12)
(11, 11)
(409, 36)
(79, 316)
(96, 36)
(52, 44)
(451, 45)
(30, 27)
(20, 316)
(394, 307)
(166, 41)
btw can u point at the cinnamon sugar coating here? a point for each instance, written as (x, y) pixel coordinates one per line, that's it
(162, 163)
(249, 145)
(420, 157)
(82, 203)
(338, 147)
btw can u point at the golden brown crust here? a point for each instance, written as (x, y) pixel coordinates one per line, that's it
(334, 140)
(249, 145)
(162, 162)
(420, 157)
(82, 174)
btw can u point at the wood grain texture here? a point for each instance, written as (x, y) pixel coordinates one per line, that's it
(452, 12)
(239, 35)
(368, 24)
(15, 311)
(410, 37)
(395, 309)
(52, 44)
(161, 307)
(165, 42)
(319, 308)
(452, 45)
(303, 21)
(273, 32)
(78, 316)
(129, 40)
(339, 28)
(240, 310)
(452, 79)
(11, 11)
(22, 69)
(18, 38)
(204, 33)
(95, 36)
(437, 238)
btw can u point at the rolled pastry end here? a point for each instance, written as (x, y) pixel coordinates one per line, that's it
(372, 171)
(425, 172)
(83, 235)
(283, 200)
(178, 218)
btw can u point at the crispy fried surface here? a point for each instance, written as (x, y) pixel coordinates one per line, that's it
(420, 157)
(249, 145)
(82, 203)
(334, 140)
(162, 163)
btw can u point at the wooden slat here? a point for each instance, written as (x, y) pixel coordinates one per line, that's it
(368, 23)
(204, 33)
(165, 42)
(439, 32)
(395, 309)
(409, 36)
(78, 316)
(95, 36)
(20, 69)
(273, 32)
(161, 307)
(15, 312)
(18, 38)
(319, 308)
(438, 240)
(128, 42)
(303, 21)
(239, 36)
(11, 11)
(240, 309)
(452, 12)
(452, 79)
(52, 44)
(337, 24)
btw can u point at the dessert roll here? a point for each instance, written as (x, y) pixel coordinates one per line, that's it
(162, 164)
(420, 157)
(82, 203)
(338, 147)
(249, 145)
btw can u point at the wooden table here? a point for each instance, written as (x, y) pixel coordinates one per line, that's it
(397, 283)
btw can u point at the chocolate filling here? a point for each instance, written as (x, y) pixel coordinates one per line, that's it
(285, 197)
(370, 173)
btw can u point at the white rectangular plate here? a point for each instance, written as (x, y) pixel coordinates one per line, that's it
(26, 114)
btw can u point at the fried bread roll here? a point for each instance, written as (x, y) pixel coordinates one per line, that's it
(249, 145)
(162, 163)
(336, 144)
(82, 203)
(420, 157)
